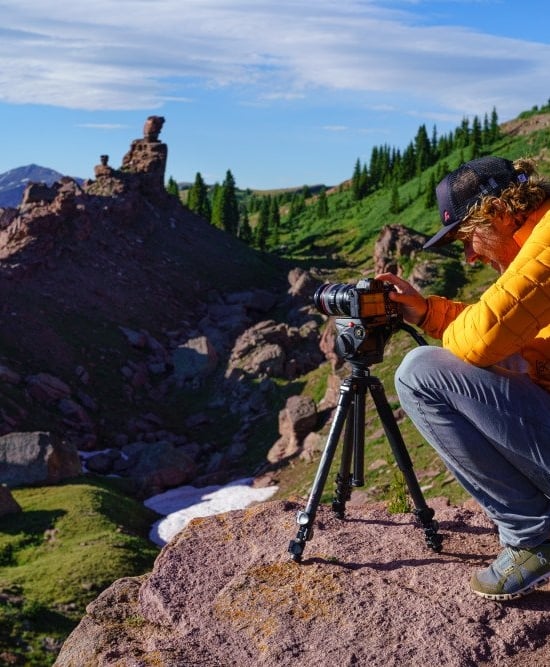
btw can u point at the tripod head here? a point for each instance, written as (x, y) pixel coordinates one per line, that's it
(361, 344)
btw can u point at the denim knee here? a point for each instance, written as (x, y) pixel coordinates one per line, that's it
(418, 365)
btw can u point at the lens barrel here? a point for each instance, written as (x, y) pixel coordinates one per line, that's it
(334, 299)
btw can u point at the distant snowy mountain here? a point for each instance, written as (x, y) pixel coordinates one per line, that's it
(14, 182)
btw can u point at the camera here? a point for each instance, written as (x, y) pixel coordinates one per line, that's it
(366, 317)
(367, 300)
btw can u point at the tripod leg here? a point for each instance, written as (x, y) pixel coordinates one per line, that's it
(305, 518)
(404, 463)
(342, 492)
(353, 450)
(359, 436)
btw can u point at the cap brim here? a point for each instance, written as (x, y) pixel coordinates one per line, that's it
(444, 235)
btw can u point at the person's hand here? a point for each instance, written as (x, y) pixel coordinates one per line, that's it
(414, 305)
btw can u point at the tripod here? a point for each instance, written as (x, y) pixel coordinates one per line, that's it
(350, 411)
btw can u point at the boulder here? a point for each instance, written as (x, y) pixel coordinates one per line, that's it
(157, 466)
(36, 458)
(296, 420)
(195, 358)
(369, 592)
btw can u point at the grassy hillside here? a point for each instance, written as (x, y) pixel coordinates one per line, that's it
(343, 241)
(69, 543)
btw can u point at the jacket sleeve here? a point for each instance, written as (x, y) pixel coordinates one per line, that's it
(512, 311)
(441, 312)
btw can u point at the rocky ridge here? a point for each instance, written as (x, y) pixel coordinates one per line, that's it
(115, 297)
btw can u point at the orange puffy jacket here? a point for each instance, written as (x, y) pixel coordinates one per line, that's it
(512, 316)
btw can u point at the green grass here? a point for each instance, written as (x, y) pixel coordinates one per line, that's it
(70, 542)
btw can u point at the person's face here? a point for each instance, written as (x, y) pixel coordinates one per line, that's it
(492, 244)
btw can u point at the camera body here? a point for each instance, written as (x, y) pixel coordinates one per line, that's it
(366, 317)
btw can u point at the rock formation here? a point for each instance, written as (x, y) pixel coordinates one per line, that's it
(36, 458)
(368, 592)
(117, 298)
(147, 157)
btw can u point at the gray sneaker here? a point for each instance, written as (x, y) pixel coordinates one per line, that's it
(514, 573)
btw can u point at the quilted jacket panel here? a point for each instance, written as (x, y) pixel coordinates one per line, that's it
(512, 315)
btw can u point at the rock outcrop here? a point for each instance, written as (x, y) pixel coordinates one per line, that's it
(368, 592)
(36, 458)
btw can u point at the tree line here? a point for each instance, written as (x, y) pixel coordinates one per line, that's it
(230, 209)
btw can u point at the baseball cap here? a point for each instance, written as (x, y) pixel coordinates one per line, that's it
(466, 186)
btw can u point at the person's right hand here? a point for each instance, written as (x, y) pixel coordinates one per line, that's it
(414, 305)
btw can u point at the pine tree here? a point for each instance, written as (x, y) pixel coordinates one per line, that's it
(172, 187)
(422, 149)
(356, 181)
(394, 201)
(408, 163)
(297, 205)
(197, 199)
(230, 204)
(322, 204)
(245, 230)
(475, 139)
(274, 219)
(462, 134)
(486, 132)
(217, 218)
(225, 207)
(430, 199)
(262, 228)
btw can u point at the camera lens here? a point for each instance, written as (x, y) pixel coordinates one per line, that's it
(333, 299)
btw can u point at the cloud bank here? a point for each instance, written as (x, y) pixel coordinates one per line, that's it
(138, 54)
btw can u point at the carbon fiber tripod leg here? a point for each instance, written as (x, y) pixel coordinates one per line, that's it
(305, 518)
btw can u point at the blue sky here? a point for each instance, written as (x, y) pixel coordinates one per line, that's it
(281, 92)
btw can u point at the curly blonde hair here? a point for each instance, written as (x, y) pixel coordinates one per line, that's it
(519, 199)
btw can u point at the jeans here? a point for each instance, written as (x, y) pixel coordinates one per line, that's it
(491, 427)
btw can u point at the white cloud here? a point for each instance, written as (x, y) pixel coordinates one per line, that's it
(136, 54)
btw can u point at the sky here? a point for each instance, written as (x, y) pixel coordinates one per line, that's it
(282, 93)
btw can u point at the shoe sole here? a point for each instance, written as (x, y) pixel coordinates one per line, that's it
(518, 594)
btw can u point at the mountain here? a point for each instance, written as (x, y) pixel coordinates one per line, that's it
(14, 182)
(102, 287)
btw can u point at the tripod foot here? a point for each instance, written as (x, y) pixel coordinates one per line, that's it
(433, 539)
(296, 549)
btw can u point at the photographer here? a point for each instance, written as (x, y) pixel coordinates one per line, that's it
(482, 400)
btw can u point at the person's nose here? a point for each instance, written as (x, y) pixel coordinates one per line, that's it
(469, 253)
